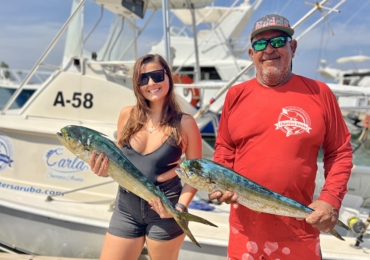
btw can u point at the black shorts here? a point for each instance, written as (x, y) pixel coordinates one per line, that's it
(133, 216)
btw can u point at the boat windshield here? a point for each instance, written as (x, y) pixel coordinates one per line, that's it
(6, 94)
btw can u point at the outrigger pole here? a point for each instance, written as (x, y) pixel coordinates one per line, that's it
(166, 33)
(18, 91)
(204, 109)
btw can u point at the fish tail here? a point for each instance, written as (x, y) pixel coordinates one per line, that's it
(336, 234)
(183, 219)
(341, 224)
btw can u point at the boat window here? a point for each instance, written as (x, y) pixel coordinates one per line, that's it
(6, 94)
(207, 73)
(135, 6)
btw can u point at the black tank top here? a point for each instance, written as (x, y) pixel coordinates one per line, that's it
(156, 162)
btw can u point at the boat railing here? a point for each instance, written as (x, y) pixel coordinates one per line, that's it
(15, 77)
(42, 58)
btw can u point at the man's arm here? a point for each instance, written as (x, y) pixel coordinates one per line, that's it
(337, 165)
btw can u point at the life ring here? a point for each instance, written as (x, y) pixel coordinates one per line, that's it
(195, 96)
(195, 92)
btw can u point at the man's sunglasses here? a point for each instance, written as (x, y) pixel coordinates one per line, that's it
(155, 75)
(276, 42)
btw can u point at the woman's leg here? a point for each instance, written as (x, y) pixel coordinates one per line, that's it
(118, 248)
(169, 250)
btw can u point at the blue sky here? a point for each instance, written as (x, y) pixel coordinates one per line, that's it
(28, 27)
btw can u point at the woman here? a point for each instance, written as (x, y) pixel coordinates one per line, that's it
(153, 135)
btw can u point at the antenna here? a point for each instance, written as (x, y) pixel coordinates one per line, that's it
(320, 7)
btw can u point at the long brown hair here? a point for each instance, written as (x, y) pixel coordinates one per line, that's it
(170, 115)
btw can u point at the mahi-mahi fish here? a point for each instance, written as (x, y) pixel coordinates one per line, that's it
(82, 141)
(208, 176)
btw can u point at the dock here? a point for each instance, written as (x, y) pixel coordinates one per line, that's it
(7, 256)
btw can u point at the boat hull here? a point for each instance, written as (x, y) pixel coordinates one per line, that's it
(42, 235)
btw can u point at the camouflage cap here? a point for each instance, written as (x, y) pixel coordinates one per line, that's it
(272, 22)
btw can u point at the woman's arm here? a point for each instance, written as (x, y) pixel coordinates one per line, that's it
(192, 141)
(193, 150)
(100, 165)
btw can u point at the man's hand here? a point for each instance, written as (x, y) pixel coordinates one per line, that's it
(324, 217)
(228, 197)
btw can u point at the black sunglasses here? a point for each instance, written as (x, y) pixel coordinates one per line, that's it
(155, 75)
(276, 42)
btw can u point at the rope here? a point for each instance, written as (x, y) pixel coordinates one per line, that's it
(50, 197)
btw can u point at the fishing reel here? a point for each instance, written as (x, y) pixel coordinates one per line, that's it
(356, 225)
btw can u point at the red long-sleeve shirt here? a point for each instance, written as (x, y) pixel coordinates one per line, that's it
(272, 136)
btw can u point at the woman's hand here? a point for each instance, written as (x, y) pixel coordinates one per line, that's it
(99, 166)
(228, 197)
(158, 207)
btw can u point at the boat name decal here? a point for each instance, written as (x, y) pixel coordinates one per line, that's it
(29, 189)
(293, 121)
(63, 167)
(86, 101)
(6, 152)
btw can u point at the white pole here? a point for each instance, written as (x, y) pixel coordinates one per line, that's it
(197, 76)
(166, 33)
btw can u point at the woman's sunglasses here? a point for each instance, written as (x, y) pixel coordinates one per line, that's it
(276, 42)
(155, 75)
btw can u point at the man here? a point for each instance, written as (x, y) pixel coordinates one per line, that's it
(271, 130)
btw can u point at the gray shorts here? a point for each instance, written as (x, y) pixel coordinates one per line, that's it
(133, 217)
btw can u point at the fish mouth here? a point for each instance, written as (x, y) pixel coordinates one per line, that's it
(181, 172)
(61, 138)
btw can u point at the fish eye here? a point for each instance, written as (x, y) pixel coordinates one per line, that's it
(191, 173)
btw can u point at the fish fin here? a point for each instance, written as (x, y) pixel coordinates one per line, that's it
(341, 224)
(336, 234)
(183, 219)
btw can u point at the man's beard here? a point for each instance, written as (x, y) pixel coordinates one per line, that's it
(274, 76)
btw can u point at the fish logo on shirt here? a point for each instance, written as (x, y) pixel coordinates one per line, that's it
(293, 121)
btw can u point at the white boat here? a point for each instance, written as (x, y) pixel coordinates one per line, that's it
(353, 77)
(352, 87)
(35, 167)
(51, 203)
